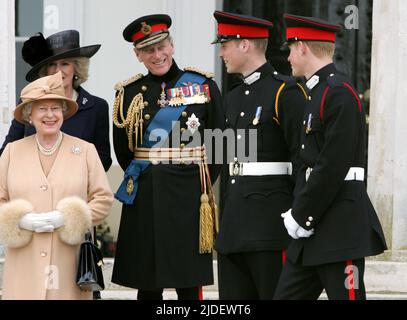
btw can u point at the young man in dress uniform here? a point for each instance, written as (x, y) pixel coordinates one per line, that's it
(330, 195)
(252, 237)
(161, 242)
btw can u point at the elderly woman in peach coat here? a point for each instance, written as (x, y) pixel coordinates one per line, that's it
(53, 188)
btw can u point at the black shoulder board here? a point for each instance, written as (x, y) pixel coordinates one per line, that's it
(289, 81)
(337, 80)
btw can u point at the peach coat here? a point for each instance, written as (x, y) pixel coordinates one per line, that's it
(46, 267)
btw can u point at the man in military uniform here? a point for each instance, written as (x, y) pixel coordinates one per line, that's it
(330, 195)
(166, 232)
(252, 237)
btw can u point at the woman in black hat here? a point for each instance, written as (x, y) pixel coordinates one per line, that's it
(61, 52)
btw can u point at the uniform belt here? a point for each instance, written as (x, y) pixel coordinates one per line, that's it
(259, 168)
(354, 174)
(173, 155)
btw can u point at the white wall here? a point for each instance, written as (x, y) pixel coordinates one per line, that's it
(388, 113)
(7, 65)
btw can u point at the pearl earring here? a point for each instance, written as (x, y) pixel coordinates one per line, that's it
(30, 122)
(76, 77)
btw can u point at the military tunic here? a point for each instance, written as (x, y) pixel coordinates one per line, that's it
(158, 241)
(251, 218)
(333, 141)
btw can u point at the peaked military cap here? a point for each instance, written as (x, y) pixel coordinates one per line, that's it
(148, 30)
(300, 28)
(237, 26)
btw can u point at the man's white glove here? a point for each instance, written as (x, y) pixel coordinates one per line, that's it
(302, 233)
(293, 228)
(42, 222)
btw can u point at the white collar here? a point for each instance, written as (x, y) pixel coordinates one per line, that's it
(312, 82)
(252, 78)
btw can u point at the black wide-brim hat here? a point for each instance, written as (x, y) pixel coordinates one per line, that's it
(148, 30)
(39, 52)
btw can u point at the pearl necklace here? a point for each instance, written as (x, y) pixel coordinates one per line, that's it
(50, 151)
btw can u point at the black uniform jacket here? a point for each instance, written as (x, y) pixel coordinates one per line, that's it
(158, 241)
(251, 217)
(90, 123)
(345, 223)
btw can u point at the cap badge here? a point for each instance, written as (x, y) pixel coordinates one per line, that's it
(145, 28)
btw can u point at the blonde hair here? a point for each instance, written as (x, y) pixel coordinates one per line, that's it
(321, 49)
(27, 109)
(260, 44)
(81, 70)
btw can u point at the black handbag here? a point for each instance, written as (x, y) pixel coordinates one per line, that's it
(89, 276)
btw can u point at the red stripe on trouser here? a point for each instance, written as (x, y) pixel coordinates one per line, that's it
(283, 257)
(351, 280)
(200, 293)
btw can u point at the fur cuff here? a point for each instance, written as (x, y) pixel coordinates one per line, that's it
(77, 220)
(10, 214)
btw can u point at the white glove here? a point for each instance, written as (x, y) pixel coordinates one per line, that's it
(293, 228)
(42, 222)
(302, 233)
(290, 224)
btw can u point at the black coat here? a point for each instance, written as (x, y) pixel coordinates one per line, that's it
(345, 222)
(90, 123)
(158, 241)
(251, 217)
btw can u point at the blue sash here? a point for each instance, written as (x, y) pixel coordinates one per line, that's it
(165, 120)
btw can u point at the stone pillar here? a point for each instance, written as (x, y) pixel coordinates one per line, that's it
(7, 66)
(387, 167)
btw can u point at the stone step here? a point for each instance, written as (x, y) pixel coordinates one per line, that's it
(384, 280)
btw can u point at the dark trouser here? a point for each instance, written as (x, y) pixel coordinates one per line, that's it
(249, 275)
(183, 294)
(341, 281)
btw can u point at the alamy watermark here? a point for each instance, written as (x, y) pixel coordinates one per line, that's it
(352, 19)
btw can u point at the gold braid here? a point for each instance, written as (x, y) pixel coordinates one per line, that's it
(133, 123)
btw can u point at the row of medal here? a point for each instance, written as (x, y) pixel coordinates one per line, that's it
(190, 94)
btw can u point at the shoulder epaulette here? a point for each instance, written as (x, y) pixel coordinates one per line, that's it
(288, 80)
(336, 80)
(125, 83)
(209, 75)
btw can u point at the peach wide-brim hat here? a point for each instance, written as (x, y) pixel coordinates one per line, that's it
(45, 88)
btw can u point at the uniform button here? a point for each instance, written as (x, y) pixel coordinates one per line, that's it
(242, 114)
(44, 187)
(182, 145)
(233, 181)
(304, 123)
(303, 147)
(144, 88)
(310, 219)
(147, 116)
(184, 114)
(239, 137)
(227, 120)
(247, 92)
(309, 98)
(183, 130)
(146, 103)
(275, 73)
(308, 224)
(43, 254)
